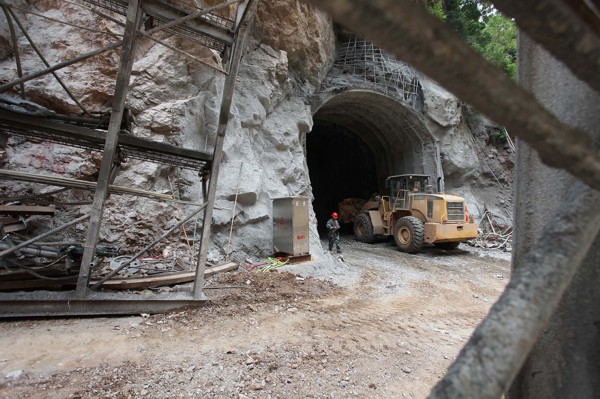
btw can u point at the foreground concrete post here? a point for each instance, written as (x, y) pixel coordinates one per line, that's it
(565, 360)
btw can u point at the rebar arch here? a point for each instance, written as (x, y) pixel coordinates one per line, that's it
(370, 67)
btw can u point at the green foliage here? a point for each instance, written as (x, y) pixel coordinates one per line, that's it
(436, 8)
(498, 136)
(499, 43)
(489, 32)
(467, 17)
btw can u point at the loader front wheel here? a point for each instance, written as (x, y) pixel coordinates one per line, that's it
(409, 234)
(363, 228)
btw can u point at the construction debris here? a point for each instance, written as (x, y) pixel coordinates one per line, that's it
(492, 235)
(58, 276)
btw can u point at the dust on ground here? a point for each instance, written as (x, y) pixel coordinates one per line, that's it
(390, 329)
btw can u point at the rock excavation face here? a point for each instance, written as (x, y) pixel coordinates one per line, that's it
(300, 126)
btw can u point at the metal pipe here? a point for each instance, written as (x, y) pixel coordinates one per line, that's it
(9, 242)
(147, 247)
(33, 251)
(44, 235)
(39, 246)
(237, 190)
(55, 244)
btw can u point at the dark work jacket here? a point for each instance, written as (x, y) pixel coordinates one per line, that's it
(333, 227)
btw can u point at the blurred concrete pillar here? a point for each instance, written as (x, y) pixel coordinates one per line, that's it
(565, 363)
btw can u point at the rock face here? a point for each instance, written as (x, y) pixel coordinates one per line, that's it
(176, 100)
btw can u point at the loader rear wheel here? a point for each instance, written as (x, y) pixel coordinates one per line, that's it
(363, 228)
(447, 245)
(409, 234)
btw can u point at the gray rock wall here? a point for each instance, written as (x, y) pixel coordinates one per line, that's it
(176, 100)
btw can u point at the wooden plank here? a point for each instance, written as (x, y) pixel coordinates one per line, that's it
(12, 224)
(15, 210)
(21, 275)
(37, 283)
(164, 279)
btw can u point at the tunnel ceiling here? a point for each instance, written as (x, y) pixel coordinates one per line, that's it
(358, 139)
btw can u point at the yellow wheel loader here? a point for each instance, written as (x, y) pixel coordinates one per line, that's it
(414, 214)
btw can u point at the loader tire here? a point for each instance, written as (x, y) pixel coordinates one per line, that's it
(447, 245)
(409, 234)
(363, 229)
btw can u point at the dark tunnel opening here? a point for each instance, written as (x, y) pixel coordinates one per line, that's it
(360, 137)
(341, 165)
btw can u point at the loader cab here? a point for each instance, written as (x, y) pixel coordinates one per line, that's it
(401, 187)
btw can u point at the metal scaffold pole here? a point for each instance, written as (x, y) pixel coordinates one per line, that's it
(218, 151)
(134, 15)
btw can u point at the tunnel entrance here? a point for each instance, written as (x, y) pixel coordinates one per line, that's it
(360, 137)
(341, 165)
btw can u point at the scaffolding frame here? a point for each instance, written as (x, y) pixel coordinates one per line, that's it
(177, 17)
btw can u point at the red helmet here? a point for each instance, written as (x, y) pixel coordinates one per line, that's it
(334, 215)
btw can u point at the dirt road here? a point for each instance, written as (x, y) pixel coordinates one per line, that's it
(390, 329)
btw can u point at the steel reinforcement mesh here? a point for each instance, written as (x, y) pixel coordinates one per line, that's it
(144, 154)
(184, 7)
(378, 68)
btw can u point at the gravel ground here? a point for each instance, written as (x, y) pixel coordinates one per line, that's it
(376, 323)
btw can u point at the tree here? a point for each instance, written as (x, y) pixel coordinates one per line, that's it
(436, 7)
(499, 43)
(483, 27)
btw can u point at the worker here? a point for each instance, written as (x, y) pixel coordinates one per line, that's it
(333, 231)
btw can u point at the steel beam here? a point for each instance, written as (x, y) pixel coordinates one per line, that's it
(83, 137)
(226, 101)
(241, 12)
(190, 17)
(48, 303)
(197, 25)
(134, 16)
(87, 185)
(154, 39)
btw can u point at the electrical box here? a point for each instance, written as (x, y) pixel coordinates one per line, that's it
(290, 225)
